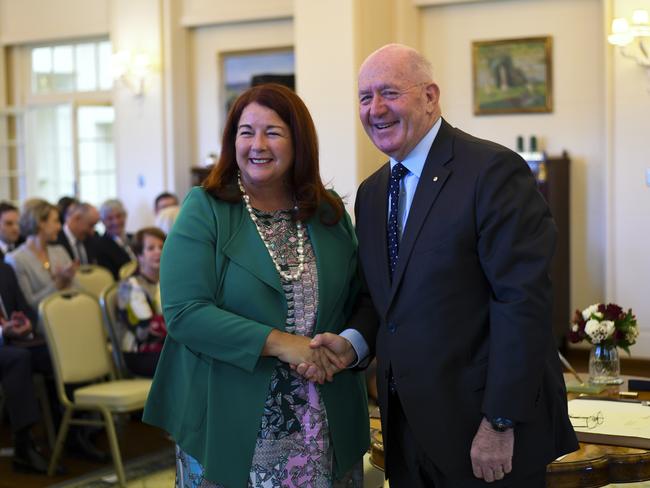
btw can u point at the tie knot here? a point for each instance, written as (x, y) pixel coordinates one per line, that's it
(398, 172)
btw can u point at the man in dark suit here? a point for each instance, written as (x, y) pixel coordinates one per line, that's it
(113, 247)
(78, 233)
(9, 229)
(16, 367)
(455, 243)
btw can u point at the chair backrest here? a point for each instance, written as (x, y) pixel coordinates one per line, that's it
(75, 335)
(127, 269)
(114, 328)
(93, 278)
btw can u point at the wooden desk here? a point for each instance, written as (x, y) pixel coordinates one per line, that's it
(592, 466)
(595, 465)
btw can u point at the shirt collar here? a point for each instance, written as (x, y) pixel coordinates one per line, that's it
(415, 160)
(68, 233)
(120, 240)
(4, 246)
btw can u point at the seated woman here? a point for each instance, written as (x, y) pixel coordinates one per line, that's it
(139, 309)
(41, 267)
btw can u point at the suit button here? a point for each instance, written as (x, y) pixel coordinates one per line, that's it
(392, 327)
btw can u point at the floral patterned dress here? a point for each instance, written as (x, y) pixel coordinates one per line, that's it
(293, 444)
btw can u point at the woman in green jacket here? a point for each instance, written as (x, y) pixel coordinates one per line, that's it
(260, 259)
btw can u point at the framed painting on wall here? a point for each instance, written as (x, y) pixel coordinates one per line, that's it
(243, 69)
(512, 76)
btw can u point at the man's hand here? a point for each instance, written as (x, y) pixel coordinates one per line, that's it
(336, 349)
(295, 350)
(491, 452)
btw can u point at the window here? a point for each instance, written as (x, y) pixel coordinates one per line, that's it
(67, 119)
(71, 67)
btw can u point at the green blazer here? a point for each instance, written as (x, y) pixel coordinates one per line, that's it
(221, 297)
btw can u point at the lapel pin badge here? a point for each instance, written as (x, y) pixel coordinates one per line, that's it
(435, 178)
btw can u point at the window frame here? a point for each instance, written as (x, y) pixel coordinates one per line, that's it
(22, 95)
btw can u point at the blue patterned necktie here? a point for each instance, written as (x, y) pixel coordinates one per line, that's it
(397, 173)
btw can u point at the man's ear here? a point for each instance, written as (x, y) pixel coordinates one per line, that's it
(432, 92)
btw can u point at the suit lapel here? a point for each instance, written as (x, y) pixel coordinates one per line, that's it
(433, 177)
(332, 253)
(378, 239)
(246, 248)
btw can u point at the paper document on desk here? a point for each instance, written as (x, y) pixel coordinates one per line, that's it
(611, 422)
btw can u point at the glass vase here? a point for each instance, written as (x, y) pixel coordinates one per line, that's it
(604, 365)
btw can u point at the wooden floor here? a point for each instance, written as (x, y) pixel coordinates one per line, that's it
(136, 439)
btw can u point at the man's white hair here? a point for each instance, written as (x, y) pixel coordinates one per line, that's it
(421, 67)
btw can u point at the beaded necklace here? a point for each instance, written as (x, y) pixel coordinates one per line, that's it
(285, 275)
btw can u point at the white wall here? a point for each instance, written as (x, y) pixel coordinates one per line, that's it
(207, 44)
(326, 80)
(576, 123)
(176, 85)
(44, 20)
(204, 12)
(139, 128)
(630, 196)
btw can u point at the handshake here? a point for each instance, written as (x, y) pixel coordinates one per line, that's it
(317, 359)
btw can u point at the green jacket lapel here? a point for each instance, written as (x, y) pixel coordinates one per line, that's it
(246, 249)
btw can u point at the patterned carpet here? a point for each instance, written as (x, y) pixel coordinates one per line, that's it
(158, 471)
(151, 471)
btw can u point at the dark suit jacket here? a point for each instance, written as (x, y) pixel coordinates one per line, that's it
(89, 245)
(110, 255)
(465, 324)
(12, 295)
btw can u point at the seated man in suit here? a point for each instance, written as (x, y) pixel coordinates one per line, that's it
(78, 232)
(164, 200)
(113, 248)
(16, 367)
(9, 229)
(62, 204)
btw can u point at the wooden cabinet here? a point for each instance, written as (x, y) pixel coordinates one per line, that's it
(553, 179)
(199, 173)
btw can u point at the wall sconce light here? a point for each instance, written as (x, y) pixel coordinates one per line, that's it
(132, 69)
(633, 39)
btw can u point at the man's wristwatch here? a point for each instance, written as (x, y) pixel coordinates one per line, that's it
(501, 424)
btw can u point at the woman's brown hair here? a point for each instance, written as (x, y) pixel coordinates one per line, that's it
(138, 239)
(305, 181)
(35, 211)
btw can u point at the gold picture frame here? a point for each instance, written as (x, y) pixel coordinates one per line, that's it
(513, 76)
(241, 69)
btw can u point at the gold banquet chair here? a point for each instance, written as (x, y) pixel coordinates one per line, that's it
(77, 342)
(126, 270)
(93, 278)
(108, 302)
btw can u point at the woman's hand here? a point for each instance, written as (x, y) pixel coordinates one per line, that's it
(63, 275)
(295, 349)
(338, 351)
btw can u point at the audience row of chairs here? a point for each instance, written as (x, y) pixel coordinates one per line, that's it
(82, 334)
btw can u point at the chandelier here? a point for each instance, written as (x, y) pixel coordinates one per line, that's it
(633, 39)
